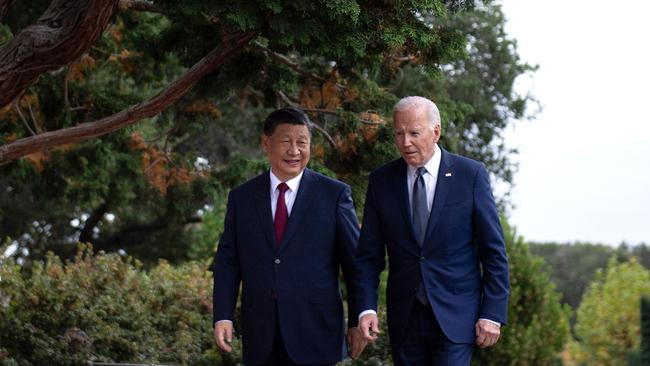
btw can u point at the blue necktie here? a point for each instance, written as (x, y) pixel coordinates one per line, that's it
(420, 219)
(419, 206)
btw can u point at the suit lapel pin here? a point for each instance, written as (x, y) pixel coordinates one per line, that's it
(447, 174)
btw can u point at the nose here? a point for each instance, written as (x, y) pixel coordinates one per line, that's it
(407, 141)
(293, 149)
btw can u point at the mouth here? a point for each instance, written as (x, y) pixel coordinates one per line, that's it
(293, 162)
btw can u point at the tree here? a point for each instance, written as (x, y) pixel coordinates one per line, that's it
(148, 188)
(608, 320)
(48, 45)
(572, 265)
(642, 357)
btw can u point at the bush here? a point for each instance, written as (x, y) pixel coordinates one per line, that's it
(538, 326)
(608, 319)
(105, 308)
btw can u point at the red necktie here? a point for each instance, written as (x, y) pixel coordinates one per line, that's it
(281, 215)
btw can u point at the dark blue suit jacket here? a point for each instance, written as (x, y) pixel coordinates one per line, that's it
(302, 276)
(463, 234)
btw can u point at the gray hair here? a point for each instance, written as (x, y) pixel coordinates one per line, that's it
(409, 102)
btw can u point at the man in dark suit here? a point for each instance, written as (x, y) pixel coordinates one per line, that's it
(287, 233)
(434, 213)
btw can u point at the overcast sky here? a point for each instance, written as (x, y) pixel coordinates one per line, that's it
(585, 160)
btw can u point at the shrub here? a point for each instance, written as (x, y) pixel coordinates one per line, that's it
(105, 308)
(538, 326)
(608, 319)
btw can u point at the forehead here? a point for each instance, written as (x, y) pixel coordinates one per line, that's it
(415, 117)
(291, 130)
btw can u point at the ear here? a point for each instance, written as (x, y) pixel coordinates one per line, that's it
(436, 132)
(266, 144)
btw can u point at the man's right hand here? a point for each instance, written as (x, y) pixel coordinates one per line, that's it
(223, 335)
(369, 325)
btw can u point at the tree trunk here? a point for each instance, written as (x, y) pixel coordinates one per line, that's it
(4, 6)
(62, 34)
(149, 108)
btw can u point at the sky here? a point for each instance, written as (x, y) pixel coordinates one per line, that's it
(584, 161)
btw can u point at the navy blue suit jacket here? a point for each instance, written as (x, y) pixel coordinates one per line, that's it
(463, 235)
(302, 276)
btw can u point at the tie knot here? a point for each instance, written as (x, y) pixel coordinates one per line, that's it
(283, 187)
(420, 171)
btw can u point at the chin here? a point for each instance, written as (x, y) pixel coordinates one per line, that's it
(411, 161)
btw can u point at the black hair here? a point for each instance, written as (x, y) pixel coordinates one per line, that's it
(289, 115)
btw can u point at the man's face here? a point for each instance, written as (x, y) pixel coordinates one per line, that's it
(288, 150)
(415, 136)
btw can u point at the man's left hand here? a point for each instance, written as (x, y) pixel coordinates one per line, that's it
(357, 342)
(487, 333)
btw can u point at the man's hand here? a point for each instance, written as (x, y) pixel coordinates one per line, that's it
(369, 325)
(223, 335)
(357, 342)
(487, 333)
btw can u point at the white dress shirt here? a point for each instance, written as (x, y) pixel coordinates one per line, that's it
(430, 177)
(289, 195)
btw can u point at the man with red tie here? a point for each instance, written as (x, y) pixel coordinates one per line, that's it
(287, 234)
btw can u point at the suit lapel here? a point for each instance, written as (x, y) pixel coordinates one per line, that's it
(263, 207)
(401, 187)
(305, 195)
(444, 181)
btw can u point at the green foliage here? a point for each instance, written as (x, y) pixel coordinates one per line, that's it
(538, 326)
(572, 265)
(608, 320)
(644, 356)
(105, 308)
(5, 33)
(150, 189)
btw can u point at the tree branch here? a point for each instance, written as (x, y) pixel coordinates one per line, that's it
(316, 126)
(140, 5)
(4, 6)
(403, 58)
(149, 108)
(22, 117)
(86, 235)
(321, 110)
(285, 60)
(59, 36)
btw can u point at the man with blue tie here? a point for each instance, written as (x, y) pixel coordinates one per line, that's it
(287, 234)
(434, 213)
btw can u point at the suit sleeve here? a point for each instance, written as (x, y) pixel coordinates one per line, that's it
(371, 257)
(491, 250)
(226, 268)
(347, 237)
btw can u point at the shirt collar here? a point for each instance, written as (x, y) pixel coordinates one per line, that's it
(432, 166)
(293, 183)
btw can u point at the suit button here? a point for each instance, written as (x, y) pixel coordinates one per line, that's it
(277, 261)
(422, 259)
